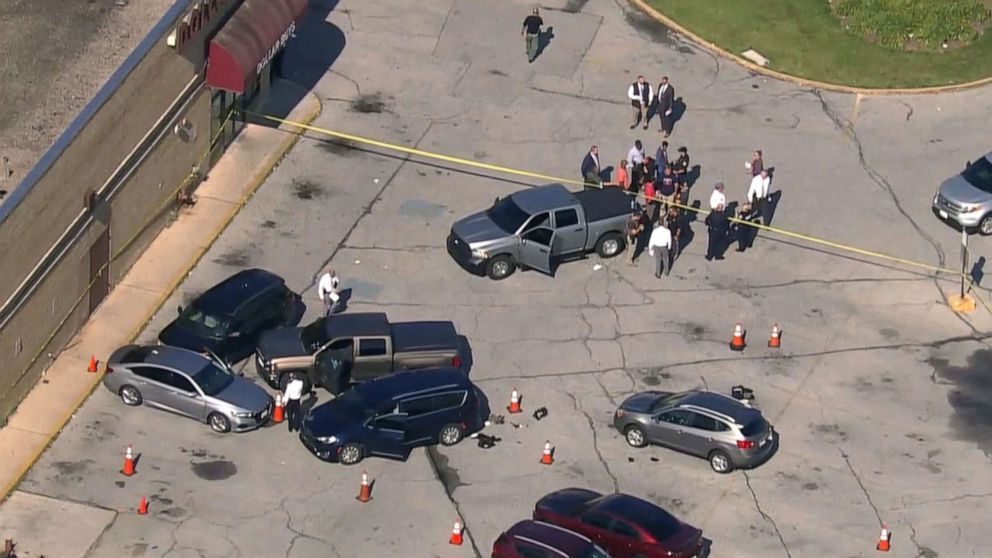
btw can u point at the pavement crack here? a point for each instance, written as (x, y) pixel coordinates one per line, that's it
(595, 441)
(854, 473)
(922, 551)
(443, 25)
(449, 492)
(358, 88)
(768, 518)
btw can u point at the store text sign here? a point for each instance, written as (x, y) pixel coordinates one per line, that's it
(198, 18)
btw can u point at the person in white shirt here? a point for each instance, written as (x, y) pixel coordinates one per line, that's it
(659, 246)
(291, 401)
(635, 164)
(757, 194)
(641, 97)
(327, 291)
(718, 201)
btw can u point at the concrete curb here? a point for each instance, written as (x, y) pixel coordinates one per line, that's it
(838, 88)
(285, 145)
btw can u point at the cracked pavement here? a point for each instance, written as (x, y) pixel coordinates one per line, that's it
(868, 392)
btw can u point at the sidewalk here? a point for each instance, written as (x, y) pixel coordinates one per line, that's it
(132, 303)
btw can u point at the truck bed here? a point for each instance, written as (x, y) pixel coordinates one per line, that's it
(414, 337)
(604, 203)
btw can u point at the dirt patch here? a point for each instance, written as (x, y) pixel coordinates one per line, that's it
(369, 104)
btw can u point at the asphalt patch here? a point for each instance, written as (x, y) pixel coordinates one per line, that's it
(338, 146)
(970, 397)
(234, 258)
(214, 470)
(368, 104)
(574, 6)
(307, 190)
(448, 475)
(653, 30)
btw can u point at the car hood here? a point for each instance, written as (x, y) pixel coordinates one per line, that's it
(330, 419)
(177, 335)
(279, 343)
(642, 402)
(959, 190)
(243, 393)
(478, 228)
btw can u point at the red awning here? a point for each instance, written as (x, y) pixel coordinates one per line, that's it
(249, 40)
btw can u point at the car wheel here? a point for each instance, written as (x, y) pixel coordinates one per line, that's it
(219, 423)
(351, 454)
(450, 435)
(720, 462)
(500, 267)
(130, 396)
(609, 245)
(985, 225)
(635, 436)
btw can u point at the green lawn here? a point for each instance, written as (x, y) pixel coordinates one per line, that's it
(802, 38)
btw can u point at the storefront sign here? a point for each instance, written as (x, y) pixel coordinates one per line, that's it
(198, 18)
(283, 39)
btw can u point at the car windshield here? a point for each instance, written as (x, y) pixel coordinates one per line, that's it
(196, 318)
(979, 174)
(507, 215)
(212, 380)
(594, 552)
(314, 335)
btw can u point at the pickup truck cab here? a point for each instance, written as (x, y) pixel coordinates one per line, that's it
(538, 227)
(336, 351)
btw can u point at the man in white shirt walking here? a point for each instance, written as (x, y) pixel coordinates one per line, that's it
(291, 400)
(757, 194)
(718, 199)
(659, 246)
(327, 291)
(641, 97)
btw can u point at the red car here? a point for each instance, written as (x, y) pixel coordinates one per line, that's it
(627, 527)
(536, 539)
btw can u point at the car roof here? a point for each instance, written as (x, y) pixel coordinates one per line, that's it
(718, 403)
(226, 297)
(543, 198)
(360, 324)
(628, 507)
(566, 542)
(406, 383)
(167, 356)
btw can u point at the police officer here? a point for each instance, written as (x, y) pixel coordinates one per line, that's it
(716, 223)
(745, 232)
(291, 399)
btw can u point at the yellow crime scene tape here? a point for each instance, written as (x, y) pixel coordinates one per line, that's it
(953, 274)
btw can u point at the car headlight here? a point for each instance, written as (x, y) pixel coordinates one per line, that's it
(970, 208)
(327, 439)
(481, 254)
(242, 414)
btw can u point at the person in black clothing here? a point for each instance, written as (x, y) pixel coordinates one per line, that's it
(745, 232)
(666, 105)
(716, 223)
(532, 33)
(590, 169)
(635, 227)
(676, 224)
(681, 166)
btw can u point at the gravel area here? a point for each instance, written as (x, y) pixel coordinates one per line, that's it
(54, 56)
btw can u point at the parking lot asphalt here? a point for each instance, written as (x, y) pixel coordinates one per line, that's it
(879, 394)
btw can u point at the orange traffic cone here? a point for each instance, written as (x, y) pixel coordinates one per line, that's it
(547, 458)
(737, 344)
(143, 506)
(456, 533)
(92, 367)
(365, 492)
(514, 402)
(883, 539)
(277, 412)
(775, 341)
(128, 469)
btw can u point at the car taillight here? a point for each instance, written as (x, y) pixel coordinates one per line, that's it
(456, 362)
(745, 444)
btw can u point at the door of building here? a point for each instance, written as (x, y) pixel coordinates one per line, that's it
(99, 269)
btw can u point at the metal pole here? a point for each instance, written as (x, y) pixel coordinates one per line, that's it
(964, 258)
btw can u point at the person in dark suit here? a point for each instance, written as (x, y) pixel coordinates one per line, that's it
(666, 103)
(661, 159)
(591, 171)
(745, 232)
(716, 224)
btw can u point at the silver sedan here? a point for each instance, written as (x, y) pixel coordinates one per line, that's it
(187, 384)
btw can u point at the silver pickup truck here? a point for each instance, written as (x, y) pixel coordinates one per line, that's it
(539, 227)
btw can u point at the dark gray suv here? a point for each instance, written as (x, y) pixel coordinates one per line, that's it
(725, 431)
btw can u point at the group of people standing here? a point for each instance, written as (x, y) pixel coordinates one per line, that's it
(646, 102)
(756, 209)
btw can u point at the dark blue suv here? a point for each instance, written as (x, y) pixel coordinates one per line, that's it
(229, 317)
(390, 416)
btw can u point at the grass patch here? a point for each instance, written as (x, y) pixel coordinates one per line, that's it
(910, 24)
(804, 38)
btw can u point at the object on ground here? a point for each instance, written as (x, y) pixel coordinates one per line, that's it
(540, 413)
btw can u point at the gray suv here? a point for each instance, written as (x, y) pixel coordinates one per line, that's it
(721, 429)
(188, 384)
(966, 198)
